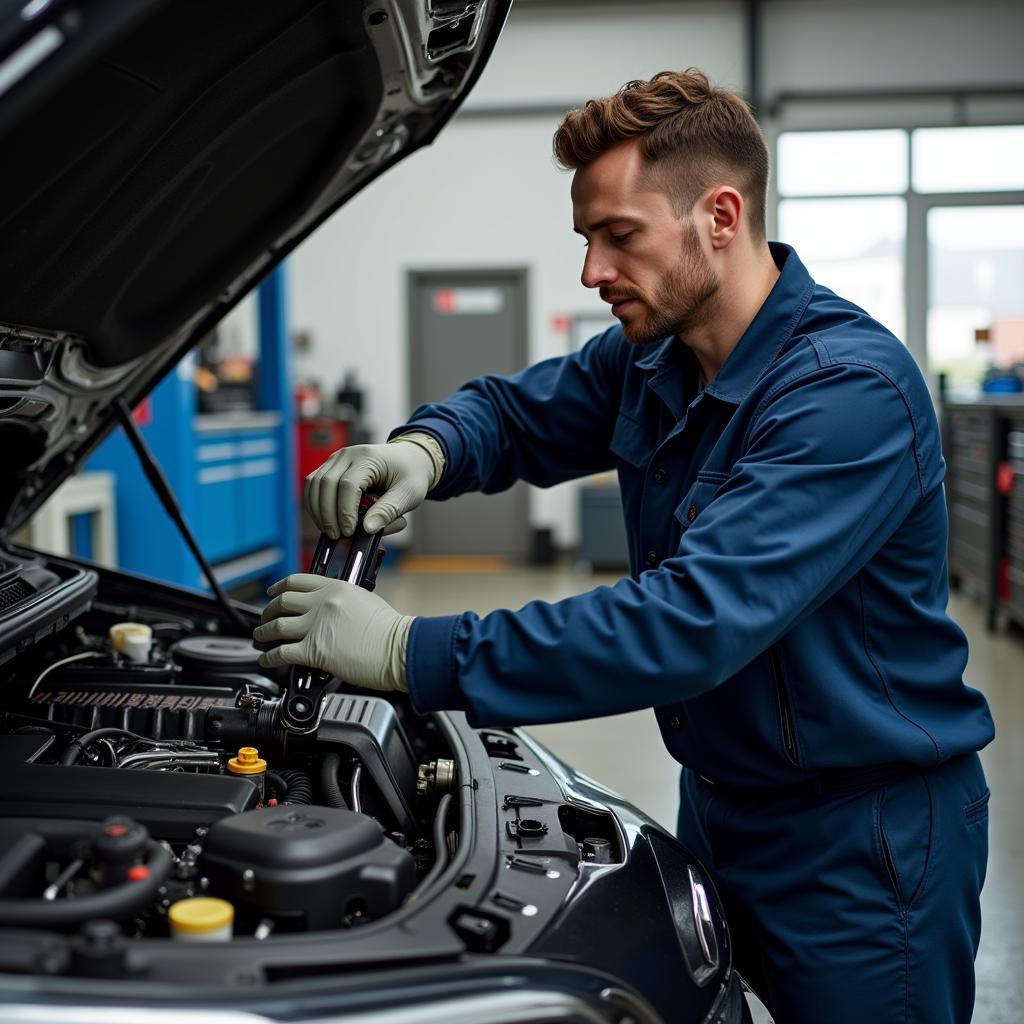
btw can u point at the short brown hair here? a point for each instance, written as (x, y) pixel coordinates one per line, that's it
(690, 134)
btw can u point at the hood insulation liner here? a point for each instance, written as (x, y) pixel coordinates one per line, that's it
(142, 189)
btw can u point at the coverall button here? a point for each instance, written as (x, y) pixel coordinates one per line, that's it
(674, 721)
(691, 513)
(659, 476)
(652, 557)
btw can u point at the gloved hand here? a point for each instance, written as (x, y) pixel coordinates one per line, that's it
(336, 627)
(401, 471)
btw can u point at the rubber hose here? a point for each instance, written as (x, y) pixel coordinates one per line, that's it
(440, 837)
(440, 847)
(74, 750)
(121, 901)
(299, 786)
(62, 835)
(329, 781)
(281, 788)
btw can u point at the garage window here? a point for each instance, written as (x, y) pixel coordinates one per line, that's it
(885, 217)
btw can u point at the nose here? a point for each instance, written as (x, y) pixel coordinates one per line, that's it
(597, 270)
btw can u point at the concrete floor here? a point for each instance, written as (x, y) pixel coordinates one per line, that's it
(626, 752)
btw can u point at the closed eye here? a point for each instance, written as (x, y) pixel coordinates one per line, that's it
(620, 239)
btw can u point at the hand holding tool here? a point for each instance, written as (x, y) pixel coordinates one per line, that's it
(299, 710)
(400, 473)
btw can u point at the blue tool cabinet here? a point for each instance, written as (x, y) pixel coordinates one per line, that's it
(233, 473)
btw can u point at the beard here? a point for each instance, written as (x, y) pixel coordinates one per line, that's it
(686, 297)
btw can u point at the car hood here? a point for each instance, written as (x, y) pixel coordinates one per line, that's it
(160, 158)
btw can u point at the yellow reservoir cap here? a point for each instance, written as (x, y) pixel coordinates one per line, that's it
(199, 915)
(248, 762)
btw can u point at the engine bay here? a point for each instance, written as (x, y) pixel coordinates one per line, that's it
(164, 837)
(159, 824)
(149, 788)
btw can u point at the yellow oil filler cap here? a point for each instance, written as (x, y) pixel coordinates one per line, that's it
(248, 762)
(201, 919)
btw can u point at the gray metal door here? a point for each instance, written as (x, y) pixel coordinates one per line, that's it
(464, 324)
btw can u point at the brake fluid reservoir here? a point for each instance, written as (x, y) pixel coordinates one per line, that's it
(201, 919)
(132, 639)
(250, 765)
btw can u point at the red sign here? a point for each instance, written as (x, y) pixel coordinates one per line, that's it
(444, 300)
(143, 413)
(479, 301)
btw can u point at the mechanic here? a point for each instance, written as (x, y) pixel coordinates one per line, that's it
(781, 474)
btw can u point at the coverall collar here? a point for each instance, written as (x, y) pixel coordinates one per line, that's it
(770, 329)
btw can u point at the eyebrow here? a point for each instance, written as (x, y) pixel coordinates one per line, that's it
(603, 223)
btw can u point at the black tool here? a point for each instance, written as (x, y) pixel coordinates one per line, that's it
(299, 709)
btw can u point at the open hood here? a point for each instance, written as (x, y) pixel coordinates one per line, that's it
(160, 157)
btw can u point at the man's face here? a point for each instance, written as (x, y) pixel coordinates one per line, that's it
(647, 262)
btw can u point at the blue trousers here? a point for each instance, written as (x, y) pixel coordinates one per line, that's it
(853, 907)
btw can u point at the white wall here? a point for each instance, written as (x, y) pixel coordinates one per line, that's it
(487, 193)
(550, 54)
(810, 44)
(894, 44)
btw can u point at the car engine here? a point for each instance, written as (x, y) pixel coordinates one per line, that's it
(150, 787)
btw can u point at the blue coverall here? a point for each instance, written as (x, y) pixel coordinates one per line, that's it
(785, 617)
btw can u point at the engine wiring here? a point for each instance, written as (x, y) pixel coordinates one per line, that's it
(156, 751)
(82, 656)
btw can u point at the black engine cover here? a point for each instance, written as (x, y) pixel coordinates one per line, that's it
(319, 865)
(170, 804)
(161, 699)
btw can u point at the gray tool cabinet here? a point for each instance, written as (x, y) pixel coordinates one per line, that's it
(983, 443)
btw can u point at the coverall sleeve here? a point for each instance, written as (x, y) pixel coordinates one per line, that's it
(550, 422)
(830, 470)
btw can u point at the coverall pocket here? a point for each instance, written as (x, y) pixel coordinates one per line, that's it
(904, 834)
(787, 725)
(699, 496)
(976, 812)
(630, 442)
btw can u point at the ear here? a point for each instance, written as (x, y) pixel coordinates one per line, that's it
(725, 205)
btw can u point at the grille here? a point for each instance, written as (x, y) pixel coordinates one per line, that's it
(14, 593)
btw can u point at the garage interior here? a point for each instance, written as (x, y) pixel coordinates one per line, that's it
(896, 131)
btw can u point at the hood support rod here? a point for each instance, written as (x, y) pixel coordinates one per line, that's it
(163, 491)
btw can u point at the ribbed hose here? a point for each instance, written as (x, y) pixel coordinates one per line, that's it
(121, 901)
(298, 786)
(329, 781)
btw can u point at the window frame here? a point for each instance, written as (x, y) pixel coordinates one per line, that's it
(917, 205)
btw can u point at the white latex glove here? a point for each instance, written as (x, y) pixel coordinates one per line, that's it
(336, 627)
(401, 473)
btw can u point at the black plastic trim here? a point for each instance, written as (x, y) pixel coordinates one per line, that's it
(36, 618)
